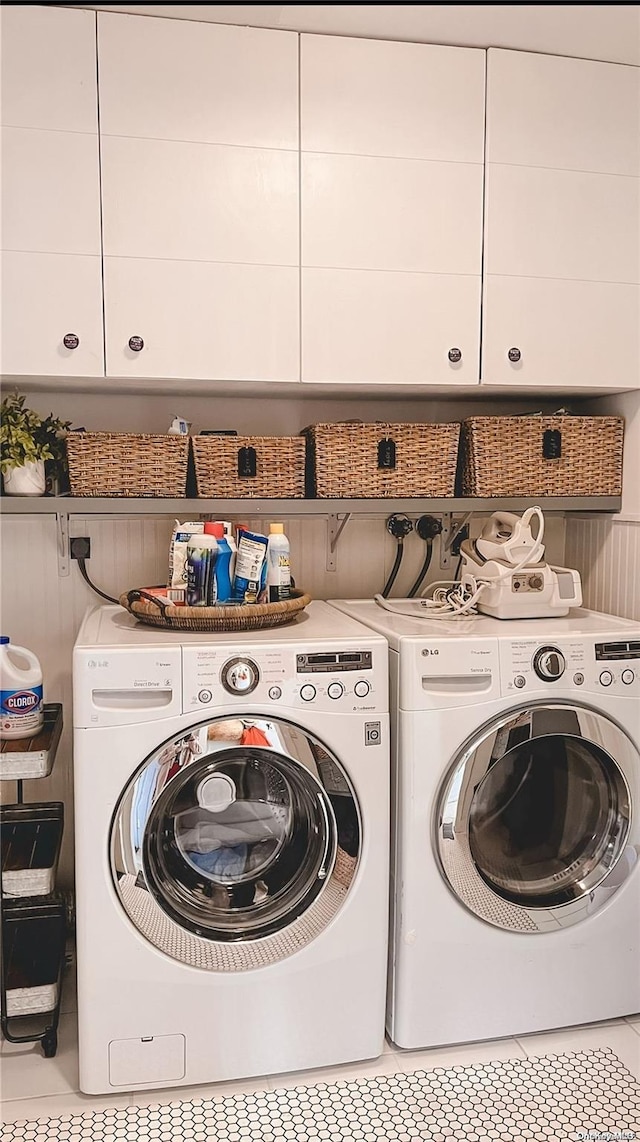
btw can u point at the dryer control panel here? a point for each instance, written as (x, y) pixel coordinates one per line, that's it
(570, 663)
(340, 679)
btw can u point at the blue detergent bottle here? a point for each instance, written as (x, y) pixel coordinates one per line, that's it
(222, 570)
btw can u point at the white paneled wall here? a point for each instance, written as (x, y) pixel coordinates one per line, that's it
(606, 552)
(43, 612)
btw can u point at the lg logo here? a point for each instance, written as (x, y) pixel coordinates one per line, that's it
(428, 651)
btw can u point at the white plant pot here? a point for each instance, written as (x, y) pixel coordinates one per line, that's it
(26, 480)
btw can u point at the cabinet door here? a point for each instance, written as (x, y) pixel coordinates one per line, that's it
(44, 298)
(392, 161)
(562, 223)
(198, 320)
(51, 246)
(200, 199)
(382, 328)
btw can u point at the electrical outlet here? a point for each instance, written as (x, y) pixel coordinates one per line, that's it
(80, 547)
(462, 535)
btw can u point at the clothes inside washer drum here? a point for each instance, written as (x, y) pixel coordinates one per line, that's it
(211, 955)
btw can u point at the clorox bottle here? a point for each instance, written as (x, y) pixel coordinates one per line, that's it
(21, 708)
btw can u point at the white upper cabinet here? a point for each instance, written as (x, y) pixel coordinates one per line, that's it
(200, 195)
(51, 247)
(392, 138)
(562, 223)
(198, 83)
(48, 77)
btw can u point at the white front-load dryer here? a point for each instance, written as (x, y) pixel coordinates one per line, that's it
(516, 823)
(232, 835)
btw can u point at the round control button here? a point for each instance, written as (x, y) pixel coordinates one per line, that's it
(335, 689)
(628, 677)
(519, 681)
(275, 692)
(308, 693)
(361, 689)
(578, 678)
(606, 678)
(205, 696)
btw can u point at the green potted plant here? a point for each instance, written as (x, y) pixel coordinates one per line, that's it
(27, 440)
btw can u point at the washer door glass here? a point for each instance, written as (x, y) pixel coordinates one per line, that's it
(535, 826)
(234, 832)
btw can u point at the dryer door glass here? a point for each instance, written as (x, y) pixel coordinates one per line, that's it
(235, 832)
(535, 828)
(549, 821)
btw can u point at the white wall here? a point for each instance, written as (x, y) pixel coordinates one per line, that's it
(279, 414)
(606, 551)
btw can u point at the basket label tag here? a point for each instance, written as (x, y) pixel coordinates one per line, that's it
(247, 463)
(386, 454)
(552, 444)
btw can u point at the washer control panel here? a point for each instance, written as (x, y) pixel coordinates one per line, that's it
(570, 662)
(336, 679)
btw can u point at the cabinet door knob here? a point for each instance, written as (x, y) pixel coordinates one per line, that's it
(71, 340)
(136, 344)
(514, 355)
(455, 355)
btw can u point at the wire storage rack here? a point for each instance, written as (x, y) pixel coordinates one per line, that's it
(33, 914)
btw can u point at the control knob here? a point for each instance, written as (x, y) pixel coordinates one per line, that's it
(549, 663)
(240, 676)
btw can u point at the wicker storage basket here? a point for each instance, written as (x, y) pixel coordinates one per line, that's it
(127, 464)
(373, 461)
(249, 467)
(542, 456)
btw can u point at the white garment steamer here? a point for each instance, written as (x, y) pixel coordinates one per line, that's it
(503, 574)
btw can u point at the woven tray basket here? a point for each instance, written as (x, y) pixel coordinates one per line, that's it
(257, 616)
(249, 467)
(373, 461)
(542, 456)
(127, 464)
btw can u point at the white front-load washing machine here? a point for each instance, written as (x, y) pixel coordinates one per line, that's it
(515, 821)
(232, 836)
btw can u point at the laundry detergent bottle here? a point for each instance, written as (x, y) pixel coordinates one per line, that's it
(22, 708)
(222, 571)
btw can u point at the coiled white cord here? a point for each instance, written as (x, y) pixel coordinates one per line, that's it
(451, 600)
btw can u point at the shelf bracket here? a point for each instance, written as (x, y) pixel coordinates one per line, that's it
(448, 536)
(62, 544)
(335, 527)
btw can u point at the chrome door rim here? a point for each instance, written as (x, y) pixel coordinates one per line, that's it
(452, 840)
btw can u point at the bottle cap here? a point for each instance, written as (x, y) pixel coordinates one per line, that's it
(3, 639)
(216, 529)
(276, 528)
(202, 540)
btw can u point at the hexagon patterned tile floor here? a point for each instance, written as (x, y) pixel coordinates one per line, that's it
(582, 1095)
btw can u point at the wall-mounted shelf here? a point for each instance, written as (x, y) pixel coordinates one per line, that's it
(123, 505)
